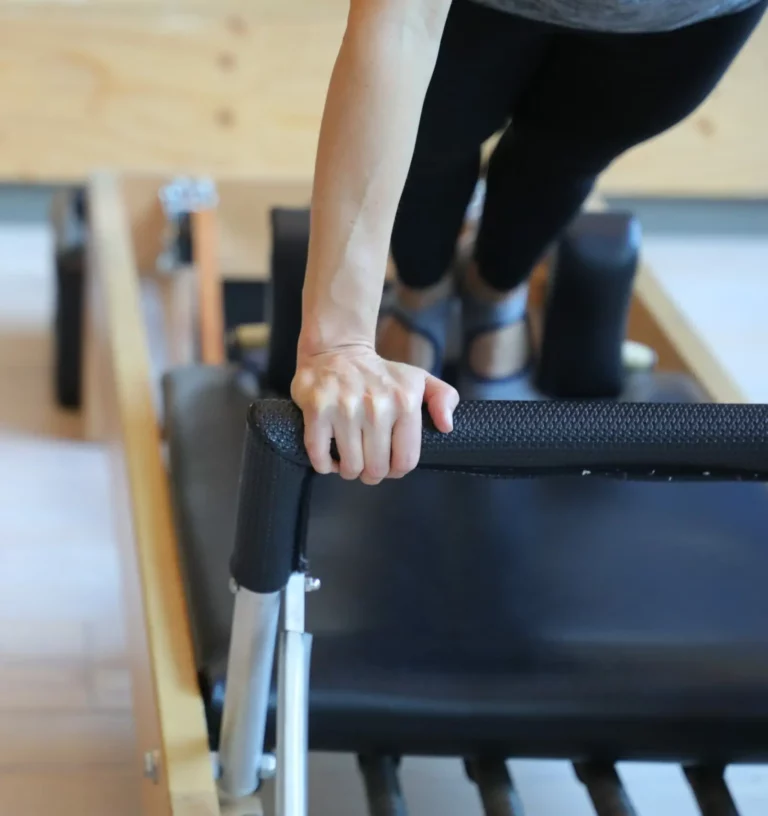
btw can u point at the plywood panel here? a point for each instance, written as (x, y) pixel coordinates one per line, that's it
(237, 88)
(226, 94)
(283, 9)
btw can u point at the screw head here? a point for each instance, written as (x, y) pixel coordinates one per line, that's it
(311, 584)
(268, 766)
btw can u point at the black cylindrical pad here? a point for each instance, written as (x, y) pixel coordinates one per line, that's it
(588, 300)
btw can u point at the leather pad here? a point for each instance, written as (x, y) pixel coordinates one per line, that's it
(462, 615)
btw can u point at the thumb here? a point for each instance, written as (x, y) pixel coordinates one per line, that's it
(441, 400)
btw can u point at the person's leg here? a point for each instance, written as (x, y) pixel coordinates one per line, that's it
(485, 58)
(593, 98)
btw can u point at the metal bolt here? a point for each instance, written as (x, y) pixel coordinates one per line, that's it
(268, 766)
(311, 584)
(152, 766)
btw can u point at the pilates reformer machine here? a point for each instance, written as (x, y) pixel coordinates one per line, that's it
(578, 578)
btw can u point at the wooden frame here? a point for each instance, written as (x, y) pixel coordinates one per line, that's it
(121, 411)
(170, 720)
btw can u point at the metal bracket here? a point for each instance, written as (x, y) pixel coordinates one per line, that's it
(179, 199)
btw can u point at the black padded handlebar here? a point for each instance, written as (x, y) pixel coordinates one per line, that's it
(657, 441)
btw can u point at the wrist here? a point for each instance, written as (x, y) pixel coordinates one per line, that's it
(324, 336)
(331, 323)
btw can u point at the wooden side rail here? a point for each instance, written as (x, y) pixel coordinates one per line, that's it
(169, 712)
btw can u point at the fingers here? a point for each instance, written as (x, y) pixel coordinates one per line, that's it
(349, 440)
(377, 437)
(406, 443)
(318, 433)
(372, 409)
(441, 400)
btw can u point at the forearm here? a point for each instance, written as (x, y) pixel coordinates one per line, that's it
(366, 144)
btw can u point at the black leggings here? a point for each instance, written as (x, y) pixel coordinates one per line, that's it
(577, 100)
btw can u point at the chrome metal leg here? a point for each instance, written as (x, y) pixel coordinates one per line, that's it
(711, 790)
(494, 783)
(382, 786)
(246, 699)
(605, 789)
(293, 703)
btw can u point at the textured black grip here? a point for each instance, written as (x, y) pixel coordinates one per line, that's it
(661, 441)
(642, 440)
(271, 508)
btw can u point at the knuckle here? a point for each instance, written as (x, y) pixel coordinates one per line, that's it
(377, 470)
(319, 466)
(405, 459)
(319, 457)
(349, 405)
(408, 399)
(350, 473)
(317, 402)
(378, 407)
(302, 380)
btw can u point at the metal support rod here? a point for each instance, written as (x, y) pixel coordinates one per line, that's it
(494, 783)
(291, 796)
(382, 786)
(711, 791)
(605, 789)
(246, 699)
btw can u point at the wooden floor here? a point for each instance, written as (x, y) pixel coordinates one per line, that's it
(66, 730)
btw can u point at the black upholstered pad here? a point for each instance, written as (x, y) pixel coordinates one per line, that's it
(457, 614)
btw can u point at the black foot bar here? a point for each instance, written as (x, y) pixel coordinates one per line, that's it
(382, 786)
(711, 791)
(497, 792)
(609, 798)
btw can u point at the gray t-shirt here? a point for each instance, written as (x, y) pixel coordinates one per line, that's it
(620, 16)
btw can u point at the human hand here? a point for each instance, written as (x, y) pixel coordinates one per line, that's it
(372, 408)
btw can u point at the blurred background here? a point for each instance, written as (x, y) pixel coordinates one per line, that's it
(235, 89)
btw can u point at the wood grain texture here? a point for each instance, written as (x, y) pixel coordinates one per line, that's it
(269, 9)
(238, 88)
(210, 295)
(169, 711)
(87, 88)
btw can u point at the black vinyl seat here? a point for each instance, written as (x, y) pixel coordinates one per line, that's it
(556, 616)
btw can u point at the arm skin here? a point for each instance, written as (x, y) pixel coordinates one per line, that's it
(370, 406)
(367, 137)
